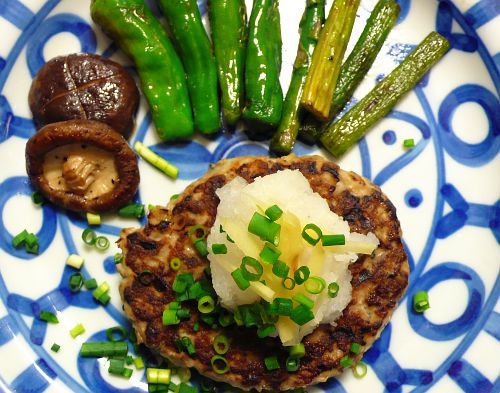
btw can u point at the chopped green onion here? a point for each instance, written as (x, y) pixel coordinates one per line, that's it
(184, 313)
(206, 304)
(421, 301)
(266, 330)
(37, 198)
(282, 306)
(170, 317)
(132, 210)
(175, 264)
(359, 370)
(408, 143)
(197, 232)
(292, 364)
(146, 277)
(251, 268)
(288, 283)
(269, 253)
(333, 289)
(273, 212)
(31, 245)
(104, 299)
(185, 388)
(309, 237)
(355, 348)
(159, 388)
(116, 366)
(196, 326)
(271, 363)
(201, 247)
(116, 333)
(182, 281)
(118, 258)
(280, 269)
(333, 240)
(184, 374)
(138, 363)
(77, 330)
(188, 345)
(88, 236)
(55, 347)
(20, 238)
(264, 228)
(47, 316)
(315, 285)
(300, 298)
(127, 372)
(91, 283)
(219, 364)
(174, 306)
(174, 197)
(301, 315)
(155, 160)
(221, 344)
(219, 248)
(93, 219)
(240, 279)
(100, 290)
(346, 361)
(104, 349)
(75, 261)
(301, 275)
(101, 243)
(158, 375)
(225, 318)
(297, 351)
(75, 282)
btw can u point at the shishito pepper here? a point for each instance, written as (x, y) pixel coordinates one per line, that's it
(191, 39)
(132, 25)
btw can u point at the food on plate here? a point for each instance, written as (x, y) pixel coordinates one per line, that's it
(310, 26)
(84, 86)
(229, 36)
(326, 60)
(264, 96)
(132, 25)
(344, 133)
(356, 66)
(82, 165)
(167, 288)
(195, 50)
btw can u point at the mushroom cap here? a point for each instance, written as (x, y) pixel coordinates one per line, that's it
(84, 86)
(92, 133)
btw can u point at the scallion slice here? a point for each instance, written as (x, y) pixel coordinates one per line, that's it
(240, 279)
(91, 283)
(221, 344)
(273, 212)
(155, 160)
(280, 269)
(188, 346)
(170, 317)
(266, 330)
(297, 351)
(301, 315)
(269, 253)
(55, 347)
(315, 285)
(101, 243)
(292, 364)
(219, 364)
(312, 234)
(75, 261)
(175, 264)
(184, 313)
(264, 228)
(271, 363)
(197, 232)
(146, 277)
(47, 316)
(346, 361)
(282, 306)
(93, 219)
(77, 330)
(355, 348)
(359, 370)
(75, 282)
(300, 298)
(206, 304)
(20, 238)
(288, 283)
(421, 301)
(132, 210)
(201, 247)
(118, 258)
(138, 363)
(301, 275)
(88, 236)
(116, 366)
(31, 245)
(117, 333)
(158, 375)
(333, 289)
(37, 198)
(219, 248)
(251, 268)
(333, 240)
(104, 349)
(409, 143)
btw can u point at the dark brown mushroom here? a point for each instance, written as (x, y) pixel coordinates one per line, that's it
(84, 86)
(82, 165)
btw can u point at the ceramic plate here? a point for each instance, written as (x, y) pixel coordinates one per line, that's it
(446, 191)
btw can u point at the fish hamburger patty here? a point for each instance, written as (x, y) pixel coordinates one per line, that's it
(378, 280)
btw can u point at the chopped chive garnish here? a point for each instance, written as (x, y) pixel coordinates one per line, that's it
(37, 198)
(251, 268)
(292, 364)
(273, 212)
(138, 363)
(93, 219)
(185, 388)
(219, 248)
(240, 279)
(100, 291)
(182, 281)
(75, 261)
(117, 333)
(175, 264)
(104, 349)
(269, 253)
(47, 316)
(155, 160)
(118, 258)
(225, 318)
(408, 143)
(355, 348)
(31, 245)
(101, 243)
(266, 330)
(196, 326)
(104, 299)
(282, 306)
(301, 315)
(55, 347)
(280, 269)
(158, 375)
(421, 301)
(184, 313)
(127, 372)
(288, 283)
(333, 240)
(312, 234)
(146, 277)
(300, 298)
(174, 306)
(360, 370)
(219, 364)
(271, 363)
(188, 346)
(333, 289)
(20, 238)
(77, 330)
(75, 282)
(170, 317)
(160, 388)
(264, 228)
(197, 232)
(315, 285)
(301, 275)
(297, 350)
(116, 366)
(201, 247)
(206, 304)
(91, 283)
(221, 344)
(346, 361)
(132, 210)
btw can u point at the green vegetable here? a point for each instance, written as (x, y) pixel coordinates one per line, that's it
(341, 135)
(327, 58)
(104, 349)
(310, 27)
(195, 50)
(228, 22)
(264, 97)
(132, 25)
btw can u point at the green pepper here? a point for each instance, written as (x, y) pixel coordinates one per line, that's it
(131, 24)
(264, 97)
(184, 20)
(229, 36)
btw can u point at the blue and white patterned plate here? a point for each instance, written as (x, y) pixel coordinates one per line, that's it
(446, 190)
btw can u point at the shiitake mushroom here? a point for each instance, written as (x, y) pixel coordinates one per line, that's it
(84, 86)
(82, 165)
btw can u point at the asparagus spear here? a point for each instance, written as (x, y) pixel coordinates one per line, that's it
(327, 58)
(341, 135)
(310, 26)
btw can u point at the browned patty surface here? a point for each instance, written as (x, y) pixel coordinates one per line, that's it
(378, 281)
